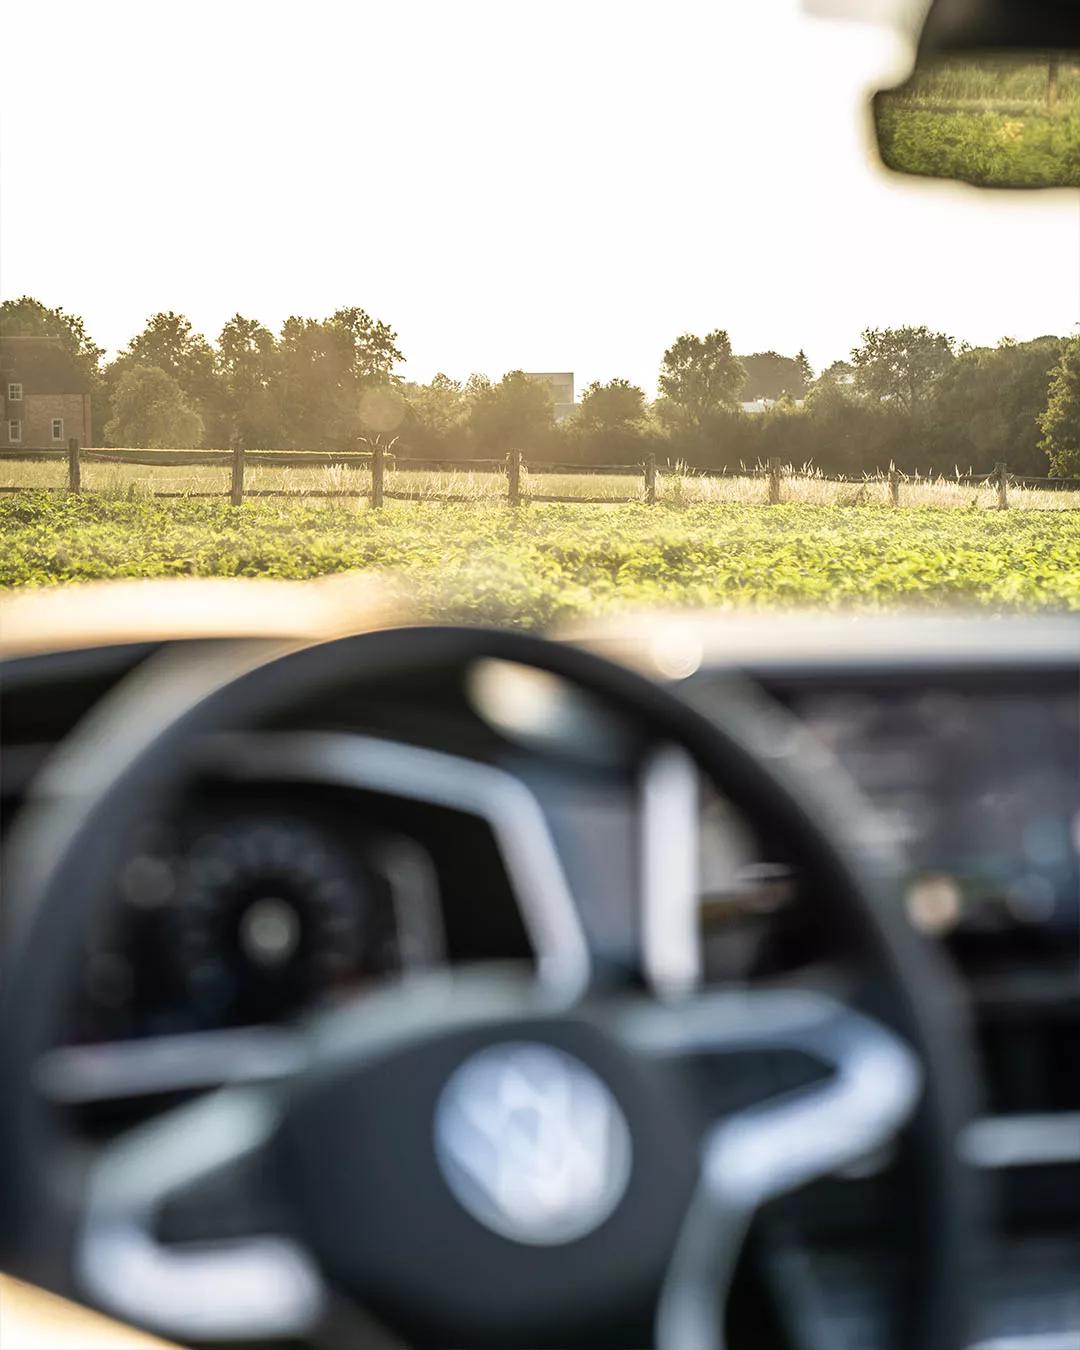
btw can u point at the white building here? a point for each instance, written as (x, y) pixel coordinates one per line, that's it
(561, 385)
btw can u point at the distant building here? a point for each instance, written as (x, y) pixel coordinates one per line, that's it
(756, 405)
(561, 384)
(46, 394)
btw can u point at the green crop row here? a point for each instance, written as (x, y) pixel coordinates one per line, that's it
(545, 564)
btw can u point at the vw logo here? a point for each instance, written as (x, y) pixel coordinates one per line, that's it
(532, 1143)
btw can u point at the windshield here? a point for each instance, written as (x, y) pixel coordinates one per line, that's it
(537, 310)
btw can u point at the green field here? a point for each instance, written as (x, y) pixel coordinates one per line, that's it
(546, 564)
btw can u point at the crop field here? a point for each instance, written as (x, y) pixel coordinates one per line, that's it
(676, 487)
(541, 565)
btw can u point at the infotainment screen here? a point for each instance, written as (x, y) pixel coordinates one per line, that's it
(980, 786)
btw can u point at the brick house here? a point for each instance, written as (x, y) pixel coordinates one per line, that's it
(46, 395)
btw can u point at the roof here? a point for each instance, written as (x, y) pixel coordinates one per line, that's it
(43, 364)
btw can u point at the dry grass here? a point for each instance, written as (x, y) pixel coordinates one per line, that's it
(677, 487)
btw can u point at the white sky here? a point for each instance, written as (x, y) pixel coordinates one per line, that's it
(550, 184)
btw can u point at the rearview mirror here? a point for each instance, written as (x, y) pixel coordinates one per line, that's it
(995, 120)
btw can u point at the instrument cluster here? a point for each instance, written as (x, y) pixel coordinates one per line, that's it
(251, 912)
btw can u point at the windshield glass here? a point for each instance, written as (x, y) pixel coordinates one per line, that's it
(538, 310)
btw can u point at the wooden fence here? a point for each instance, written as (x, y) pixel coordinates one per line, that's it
(513, 466)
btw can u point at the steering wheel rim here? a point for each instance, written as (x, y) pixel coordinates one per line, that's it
(77, 826)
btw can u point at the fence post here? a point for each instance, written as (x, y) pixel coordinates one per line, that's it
(1001, 473)
(74, 467)
(774, 481)
(236, 487)
(894, 486)
(378, 470)
(513, 477)
(650, 480)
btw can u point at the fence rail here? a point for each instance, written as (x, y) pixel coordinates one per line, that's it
(381, 463)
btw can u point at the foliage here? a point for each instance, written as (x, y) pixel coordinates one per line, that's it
(908, 396)
(149, 408)
(614, 406)
(543, 565)
(372, 344)
(985, 407)
(1060, 421)
(324, 369)
(991, 149)
(247, 373)
(515, 414)
(170, 343)
(27, 317)
(435, 417)
(900, 365)
(770, 375)
(700, 378)
(611, 425)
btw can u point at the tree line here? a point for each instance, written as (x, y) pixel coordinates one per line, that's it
(906, 396)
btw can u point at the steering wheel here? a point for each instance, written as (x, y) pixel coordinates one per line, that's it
(488, 1157)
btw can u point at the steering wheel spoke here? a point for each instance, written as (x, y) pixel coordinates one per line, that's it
(764, 1150)
(199, 1174)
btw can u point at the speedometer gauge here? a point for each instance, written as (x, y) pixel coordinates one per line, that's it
(269, 916)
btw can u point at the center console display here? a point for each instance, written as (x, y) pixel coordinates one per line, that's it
(980, 787)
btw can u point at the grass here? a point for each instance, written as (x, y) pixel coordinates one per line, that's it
(680, 488)
(1008, 79)
(546, 564)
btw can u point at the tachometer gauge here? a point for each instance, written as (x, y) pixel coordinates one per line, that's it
(270, 915)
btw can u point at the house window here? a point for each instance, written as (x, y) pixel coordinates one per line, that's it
(58, 428)
(14, 430)
(14, 393)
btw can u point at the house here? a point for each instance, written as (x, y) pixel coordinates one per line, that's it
(561, 386)
(757, 405)
(45, 392)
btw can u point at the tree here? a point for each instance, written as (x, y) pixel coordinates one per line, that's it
(150, 410)
(318, 395)
(27, 317)
(372, 343)
(846, 434)
(610, 425)
(771, 376)
(1060, 420)
(170, 343)
(614, 406)
(901, 365)
(326, 369)
(699, 378)
(987, 404)
(247, 372)
(515, 414)
(806, 370)
(838, 373)
(436, 415)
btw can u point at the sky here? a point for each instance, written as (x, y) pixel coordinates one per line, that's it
(537, 184)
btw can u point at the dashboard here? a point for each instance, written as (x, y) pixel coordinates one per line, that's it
(263, 893)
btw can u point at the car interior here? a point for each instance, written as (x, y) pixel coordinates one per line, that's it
(682, 979)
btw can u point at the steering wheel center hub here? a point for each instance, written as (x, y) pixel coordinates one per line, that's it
(532, 1143)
